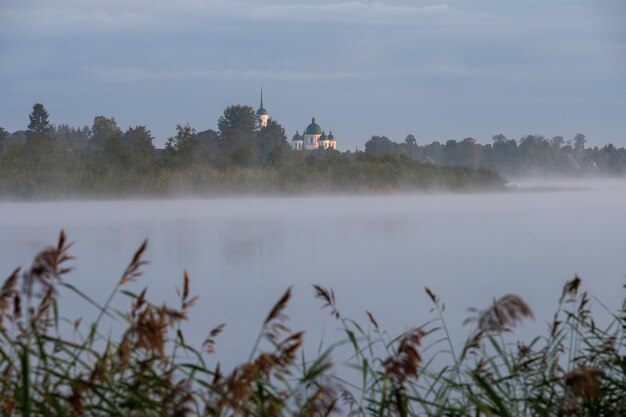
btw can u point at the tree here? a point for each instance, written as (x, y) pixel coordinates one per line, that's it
(534, 151)
(103, 130)
(139, 139)
(245, 156)
(410, 147)
(379, 145)
(503, 155)
(237, 127)
(184, 143)
(66, 134)
(471, 152)
(433, 152)
(556, 142)
(579, 142)
(4, 136)
(207, 142)
(451, 153)
(39, 126)
(272, 141)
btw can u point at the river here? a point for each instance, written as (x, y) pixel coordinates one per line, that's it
(376, 252)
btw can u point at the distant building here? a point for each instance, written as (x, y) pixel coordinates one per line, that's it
(313, 138)
(263, 115)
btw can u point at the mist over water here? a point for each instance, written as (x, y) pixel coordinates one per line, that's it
(377, 253)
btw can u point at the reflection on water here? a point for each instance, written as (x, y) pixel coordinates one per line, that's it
(377, 253)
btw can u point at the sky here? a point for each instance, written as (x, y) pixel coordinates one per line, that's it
(439, 70)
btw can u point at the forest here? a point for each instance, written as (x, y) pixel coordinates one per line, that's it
(531, 155)
(55, 161)
(48, 161)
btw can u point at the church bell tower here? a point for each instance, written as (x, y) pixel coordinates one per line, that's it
(262, 113)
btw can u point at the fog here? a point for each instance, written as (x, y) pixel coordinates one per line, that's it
(376, 252)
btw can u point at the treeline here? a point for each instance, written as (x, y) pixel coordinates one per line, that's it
(532, 154)
(46, 161)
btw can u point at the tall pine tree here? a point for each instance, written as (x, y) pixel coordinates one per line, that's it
(39, 126)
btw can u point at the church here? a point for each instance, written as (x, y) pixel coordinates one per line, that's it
(313, 137)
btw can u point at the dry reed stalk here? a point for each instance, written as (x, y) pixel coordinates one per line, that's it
(76, 398)
(372, 320)
(276, 313)
(505, 313)
(582, 385)
(288, 349)
(42, 310)
(148, 331)
(47, 267)
(328, 296)
(7, 293)
(131, 273)
(209, 342)
(404, 364)
(274, 322)
(186, 302)
(178, 401)
(432, 295)
(322, 403)
(570, 289)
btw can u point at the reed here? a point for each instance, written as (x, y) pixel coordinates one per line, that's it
(578, 368)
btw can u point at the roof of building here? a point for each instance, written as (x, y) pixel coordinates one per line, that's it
(297, 136)
(323, 137)
(330, 135)
(262, 111)
(313, 128)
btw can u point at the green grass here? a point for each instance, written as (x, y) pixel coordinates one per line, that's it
(577, 369)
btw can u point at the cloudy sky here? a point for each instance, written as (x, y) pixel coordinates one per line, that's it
(437, 69)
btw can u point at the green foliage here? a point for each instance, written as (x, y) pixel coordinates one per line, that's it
(78, 138)
(51, 170)
(380, 145)
(62, 366)
(237, 128)
(103, 130)
(139, 139)
(39, 126)
(4, 136)
(272, 143)
(532, 154)
(103, 161)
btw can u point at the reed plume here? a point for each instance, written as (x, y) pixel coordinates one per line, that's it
(328, 296)
(132, 272)
(404, 363)
(150, 369)
(505, 313)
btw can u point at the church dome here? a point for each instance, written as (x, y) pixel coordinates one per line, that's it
(323, 137)
(313, 128)
(297, 136)
(262, 111)
(330, 135)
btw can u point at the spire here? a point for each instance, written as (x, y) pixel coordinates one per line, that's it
(261, 112)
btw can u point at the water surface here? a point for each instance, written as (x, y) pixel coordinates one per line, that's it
(377, 253)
